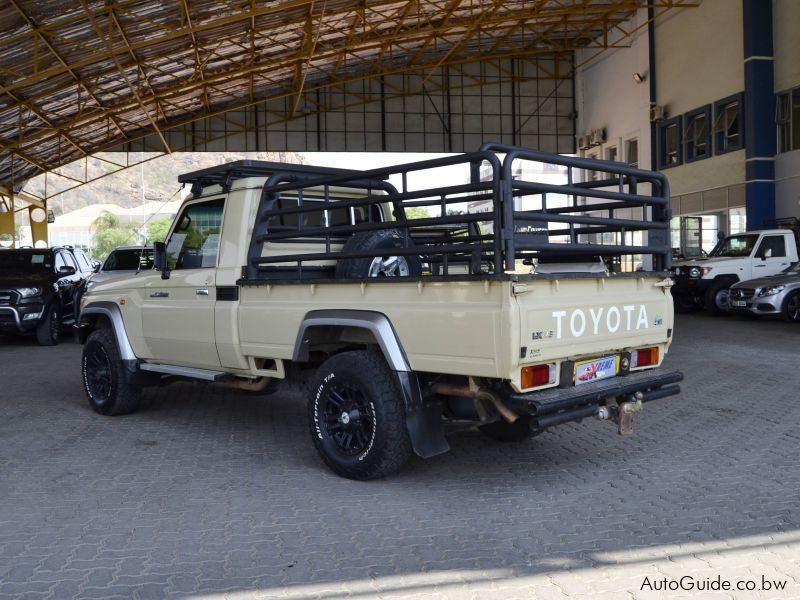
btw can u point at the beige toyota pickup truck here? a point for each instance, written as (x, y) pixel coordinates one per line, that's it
(503, 304)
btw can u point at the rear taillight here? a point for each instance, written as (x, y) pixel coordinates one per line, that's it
(644, 357)
(537, 375)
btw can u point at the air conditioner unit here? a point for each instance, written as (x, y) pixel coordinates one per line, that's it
(657, 113)
(583, 142)
(598, 137)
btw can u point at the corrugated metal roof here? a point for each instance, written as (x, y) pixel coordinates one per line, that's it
(77, 78)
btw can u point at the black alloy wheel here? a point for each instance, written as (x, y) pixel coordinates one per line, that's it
(349, 418)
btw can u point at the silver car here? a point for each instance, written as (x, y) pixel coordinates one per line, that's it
(774, 295)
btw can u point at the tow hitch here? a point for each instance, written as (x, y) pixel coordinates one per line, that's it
(623, 413)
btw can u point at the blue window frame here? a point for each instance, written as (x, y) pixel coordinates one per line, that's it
(670, 151)
(697, 134)
(729, 124)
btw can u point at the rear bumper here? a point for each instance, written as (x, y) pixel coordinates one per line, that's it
(555, 406)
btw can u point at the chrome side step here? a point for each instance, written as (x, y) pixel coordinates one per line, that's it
(190, 372)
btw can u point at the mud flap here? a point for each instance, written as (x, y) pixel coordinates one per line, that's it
(423, 419)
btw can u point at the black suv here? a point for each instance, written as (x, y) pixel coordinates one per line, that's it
(38, 291)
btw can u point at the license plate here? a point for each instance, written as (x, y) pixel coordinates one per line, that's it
(588, 371)
(738, 303)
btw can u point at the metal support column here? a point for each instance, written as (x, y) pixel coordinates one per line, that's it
(758, 113)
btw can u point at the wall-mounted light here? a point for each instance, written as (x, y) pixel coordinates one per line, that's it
(639, 78)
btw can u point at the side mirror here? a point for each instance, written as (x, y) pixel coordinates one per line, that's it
(160, 259)
(96, 268)
(66, 270)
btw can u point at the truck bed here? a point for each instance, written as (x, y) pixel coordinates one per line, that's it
(486, 328)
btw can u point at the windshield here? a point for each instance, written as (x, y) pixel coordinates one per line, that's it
(129, 260)
(24, 260)
(737, 245)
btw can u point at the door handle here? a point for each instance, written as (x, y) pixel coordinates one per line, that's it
(759, 266)
(159, 295)
(203, 292)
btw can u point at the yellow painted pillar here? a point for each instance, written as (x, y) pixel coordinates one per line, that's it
(38, 219)
(7, 223)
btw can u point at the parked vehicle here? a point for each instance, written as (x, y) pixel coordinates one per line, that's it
(274, 271)
(773, 295)
(86, 265)
(125, 260)
(705, 282)
(38, 288)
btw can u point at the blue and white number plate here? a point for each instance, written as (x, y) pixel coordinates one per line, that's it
(588, 371)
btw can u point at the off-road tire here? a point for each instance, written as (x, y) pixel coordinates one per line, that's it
(49, 331)
(365, 241)
(103, 375)
(503, 431)
(791, 308)
(683, 304)
(711, 298)
(360, 384)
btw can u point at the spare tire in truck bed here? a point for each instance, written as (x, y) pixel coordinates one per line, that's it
(382, 265)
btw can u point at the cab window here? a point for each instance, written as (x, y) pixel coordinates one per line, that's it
(62, 261)
(772, 246)
(325, 216)
(194, 242)
(84, 263)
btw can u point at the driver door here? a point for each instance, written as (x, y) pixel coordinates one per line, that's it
(178, 313)
(770, 256)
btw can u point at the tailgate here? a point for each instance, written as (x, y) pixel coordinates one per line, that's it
(574, 318)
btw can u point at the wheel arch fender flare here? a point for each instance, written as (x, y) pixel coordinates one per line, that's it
(111, 312)
(376, 323)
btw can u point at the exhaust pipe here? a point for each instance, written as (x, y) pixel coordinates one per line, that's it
(447, 389)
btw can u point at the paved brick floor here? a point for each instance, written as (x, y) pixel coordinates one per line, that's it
(207, 493)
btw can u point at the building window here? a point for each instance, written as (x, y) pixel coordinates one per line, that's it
(787, 118)
(669, 143)
(632, 152)
(728, 130)
(611, 153)
(697, 134)
(737, 221)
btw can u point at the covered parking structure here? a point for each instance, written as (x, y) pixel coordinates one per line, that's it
(88, 88)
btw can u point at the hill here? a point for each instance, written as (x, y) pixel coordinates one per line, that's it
(153, 181)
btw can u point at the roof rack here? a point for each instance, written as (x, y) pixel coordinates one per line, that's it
(527, 218)
(224, 175)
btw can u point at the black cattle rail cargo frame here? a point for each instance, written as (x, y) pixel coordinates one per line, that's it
(564, 225)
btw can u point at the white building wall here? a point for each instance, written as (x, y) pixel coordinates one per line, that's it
(608, 97)
(699, 60)
(786, 24)
(786, 38)
(699, 54)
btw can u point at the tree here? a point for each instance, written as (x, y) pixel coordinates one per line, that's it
(110, 234)
(417, 212)
(157, 230)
